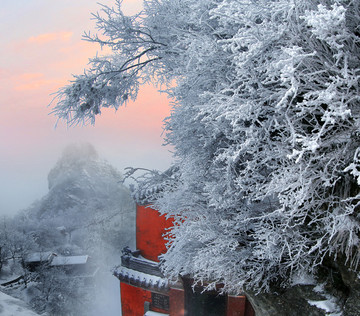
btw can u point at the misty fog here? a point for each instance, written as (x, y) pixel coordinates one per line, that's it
(87, 213)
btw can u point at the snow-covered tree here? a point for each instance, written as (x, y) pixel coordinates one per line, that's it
(264, 125)
(4, 253)
(57, 293)
(15, 244)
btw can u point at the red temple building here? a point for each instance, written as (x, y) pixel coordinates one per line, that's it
(146, 291)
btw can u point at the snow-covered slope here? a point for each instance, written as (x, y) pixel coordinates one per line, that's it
(10, 306)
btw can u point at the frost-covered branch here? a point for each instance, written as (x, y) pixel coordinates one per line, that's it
(265, 129)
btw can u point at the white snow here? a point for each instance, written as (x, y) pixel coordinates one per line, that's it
(147, 278)
(10, 306)
(151, 313)
(69, 260)
(302, 279)
(327, 305)
(39, 256)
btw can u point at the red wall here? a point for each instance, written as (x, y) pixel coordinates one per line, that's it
(236, 306)
(249, 310)
(239, 306)
(150, 227)
(133, 299)
(176, 301)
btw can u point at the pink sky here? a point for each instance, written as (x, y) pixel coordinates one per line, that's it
(41, 49)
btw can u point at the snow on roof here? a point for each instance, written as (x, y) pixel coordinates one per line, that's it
(140, 279)
(39, 256)
(10, 306)
(69, 260)
(151, 313)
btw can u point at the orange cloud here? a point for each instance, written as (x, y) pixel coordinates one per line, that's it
(4, 72)
(31, 76)
(33, 81)
(50, 37)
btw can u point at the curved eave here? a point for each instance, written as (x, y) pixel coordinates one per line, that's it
(140, 279)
